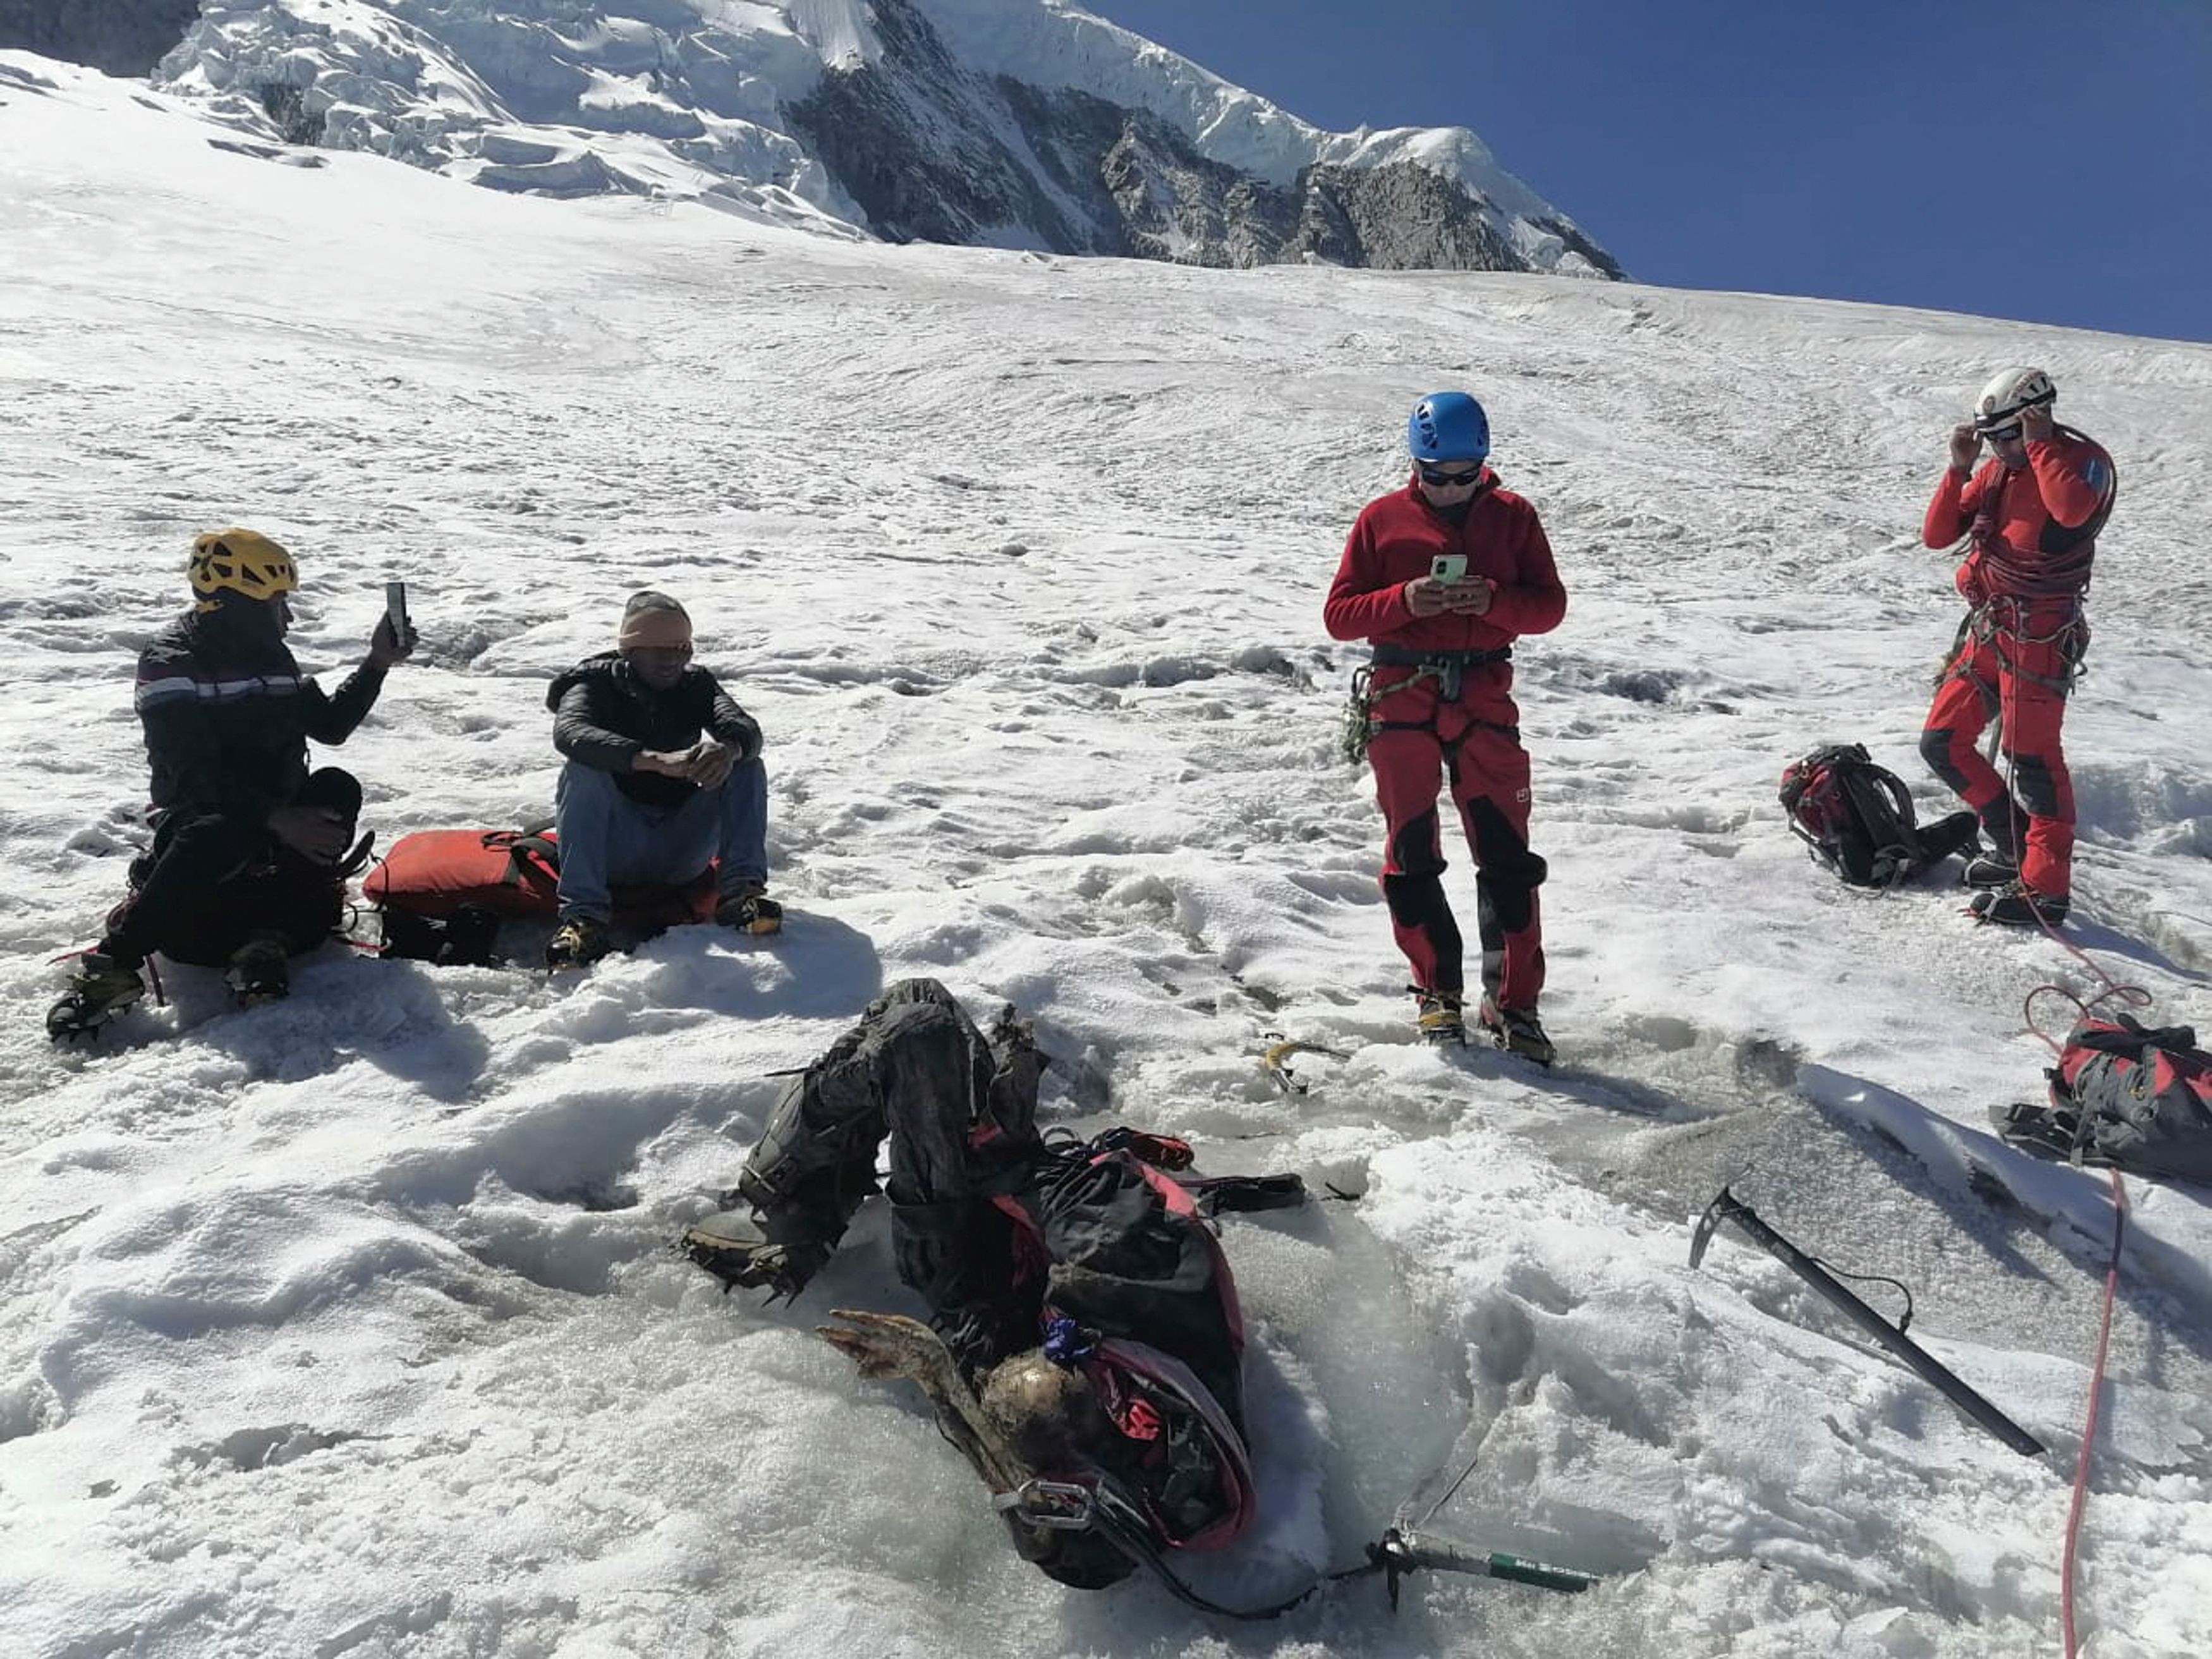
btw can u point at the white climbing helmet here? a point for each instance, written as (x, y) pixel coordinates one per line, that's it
(2007, 393)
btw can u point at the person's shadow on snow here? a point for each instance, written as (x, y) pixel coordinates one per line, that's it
(2096, 932)
(818, 968)
(343, 1006)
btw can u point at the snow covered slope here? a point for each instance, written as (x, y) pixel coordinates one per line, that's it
(1013, 122)
(346, 1327)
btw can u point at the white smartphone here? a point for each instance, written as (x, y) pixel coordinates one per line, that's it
(1448, 567)
(395, 607)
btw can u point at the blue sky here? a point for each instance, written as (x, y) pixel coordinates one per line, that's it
(2048, 159)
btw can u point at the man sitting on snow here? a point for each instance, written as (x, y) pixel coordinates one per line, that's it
(664, 777)
(1084, 1350)
(249, 862)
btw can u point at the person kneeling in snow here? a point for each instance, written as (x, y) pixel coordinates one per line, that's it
(1083, 1349)
(664, 777)
(249, 860)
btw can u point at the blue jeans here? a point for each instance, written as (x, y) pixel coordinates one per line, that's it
(606, 838)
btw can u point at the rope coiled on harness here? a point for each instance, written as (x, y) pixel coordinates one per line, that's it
(2058, 570)
(1448, 669)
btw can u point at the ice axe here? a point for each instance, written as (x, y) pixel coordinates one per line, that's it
(1728, 1207)
(1404, 1551)
(1274, 1060)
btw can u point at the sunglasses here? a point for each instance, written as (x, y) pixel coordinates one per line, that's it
(2001, 434)
(1435, 475)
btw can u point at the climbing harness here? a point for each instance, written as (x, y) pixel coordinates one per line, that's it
(1447, 668)
(2017, 595)
(2005, 622)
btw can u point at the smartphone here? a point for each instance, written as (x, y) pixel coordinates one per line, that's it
(395, 607)
(1448, 567)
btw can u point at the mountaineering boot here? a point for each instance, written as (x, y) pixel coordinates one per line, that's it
(1991, 871)
(578, 941)
(99, 990)
(749, 910)
(1519, 1031)
(1439, 1016)
(259, 972)
(2017, 906)
(773, 1249)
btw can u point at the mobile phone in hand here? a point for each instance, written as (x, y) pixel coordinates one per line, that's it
(395, 609)
(1449, 567)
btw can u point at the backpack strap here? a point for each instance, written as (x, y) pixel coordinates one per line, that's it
(540, 849)
(1879, 798)
(2128, 1036)
(533, 858)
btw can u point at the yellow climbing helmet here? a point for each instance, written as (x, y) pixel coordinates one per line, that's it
(236, 560)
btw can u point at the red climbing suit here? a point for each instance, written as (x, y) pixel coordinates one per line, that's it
(1439, 710)
(2034, 540)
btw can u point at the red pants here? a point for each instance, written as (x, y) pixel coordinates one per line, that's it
(2022, 686)
(1475, 746)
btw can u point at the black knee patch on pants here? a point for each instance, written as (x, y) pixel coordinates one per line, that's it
(1511, 873)
(2038, 789)
(1413, 849)
(1936, 749)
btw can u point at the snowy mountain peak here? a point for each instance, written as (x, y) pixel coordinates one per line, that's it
(1010, 122)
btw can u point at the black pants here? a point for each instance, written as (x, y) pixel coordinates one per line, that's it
(961, 1120)
(213, 881)
(1095, 1236)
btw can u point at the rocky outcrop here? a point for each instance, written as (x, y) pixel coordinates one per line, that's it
(932, 150)
(117, 37)
(933, 153)
(925, 149)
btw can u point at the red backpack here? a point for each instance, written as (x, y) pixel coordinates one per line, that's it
(2125, 1095)
(1856, 817)
(434, 873)
(442, 893)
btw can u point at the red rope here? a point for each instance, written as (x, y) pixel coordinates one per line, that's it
(2089, 1427)
(2136, 994)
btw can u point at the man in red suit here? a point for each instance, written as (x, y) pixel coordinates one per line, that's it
(1443, 576)
(2032, 514)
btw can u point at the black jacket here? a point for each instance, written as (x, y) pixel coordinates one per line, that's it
(228, 715)
(605, 717)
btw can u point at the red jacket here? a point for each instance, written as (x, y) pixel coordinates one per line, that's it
(1395, 539)
(2067, 482)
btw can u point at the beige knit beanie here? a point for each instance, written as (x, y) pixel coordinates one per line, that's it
(654, 621)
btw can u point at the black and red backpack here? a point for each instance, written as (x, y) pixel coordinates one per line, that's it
(1136, 1291)
(1856, 817)
(2124, 1095)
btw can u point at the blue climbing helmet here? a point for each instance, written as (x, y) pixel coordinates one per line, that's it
(1449, 425)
